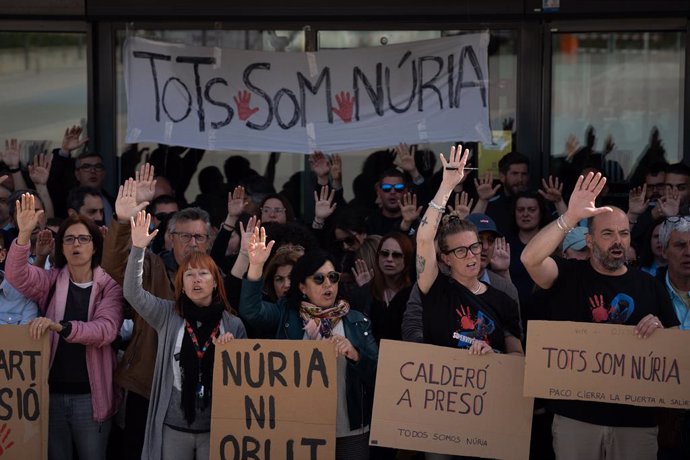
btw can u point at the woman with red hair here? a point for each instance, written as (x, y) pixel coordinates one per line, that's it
(179, 418)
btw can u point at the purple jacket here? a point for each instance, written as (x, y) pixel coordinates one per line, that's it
(105, 319)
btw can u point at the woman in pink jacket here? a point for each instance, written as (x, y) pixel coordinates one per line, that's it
(83, 313)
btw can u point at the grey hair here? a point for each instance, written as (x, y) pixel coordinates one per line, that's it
(188, 214)
(668, 227)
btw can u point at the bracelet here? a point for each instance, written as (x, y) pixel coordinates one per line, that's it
(14, 170)
(228, 227)
(562, 226)
(317, 225)
(437, 207)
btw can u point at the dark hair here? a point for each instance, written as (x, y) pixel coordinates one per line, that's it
(96, 239)
(678, 168)
(210, 180)
(544, 217)
(656, 168)
(86, 154)
(76, 197)
(352, 219)
(289, 213)
(162, 199)
(392, 172)
(378, 284)
(17, 195)
(280, 259)
(305, 266)
(452, 224)
(290, 233)
(512, 158)
(198, 259)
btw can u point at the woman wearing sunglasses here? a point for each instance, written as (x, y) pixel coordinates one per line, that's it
(459, 310)
(313, 311)
(83, 314)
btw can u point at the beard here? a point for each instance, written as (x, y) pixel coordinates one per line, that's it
(606, 259)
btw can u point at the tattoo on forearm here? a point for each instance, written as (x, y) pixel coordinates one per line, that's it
(421, 262)
(424, 222)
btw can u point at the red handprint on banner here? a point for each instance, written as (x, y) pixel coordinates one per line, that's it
(600, 314)
(466, 321)
(242, 101)
(345, 106)
(4, 442)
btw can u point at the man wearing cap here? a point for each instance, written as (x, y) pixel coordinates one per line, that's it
(492, 272)
(575, 244)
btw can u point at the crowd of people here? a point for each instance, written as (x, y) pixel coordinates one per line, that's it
(135, 290)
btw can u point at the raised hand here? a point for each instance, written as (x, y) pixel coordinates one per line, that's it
(319, 164)
(145, 183)
(582, 201)
(552, 190)
(669, 204)
(323, 204)
(485, 187)
(463, 205)
(405, 155)
(39, 171)
(141, 237)
(27, 216)
(454, 167)
(637, 202)
(246, 233)
(362, 273)
(71, 141)
(259, 251)
(571, 146)
(336, 170)
(10, 156)
(408, 208)
(237, 202)
(126, 205)
(242, 101)
(345, 106)
(45, 243)
(500, 262)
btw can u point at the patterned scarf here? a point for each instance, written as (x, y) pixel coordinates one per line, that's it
(325, 318)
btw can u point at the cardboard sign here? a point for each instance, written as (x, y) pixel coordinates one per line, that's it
(608, 363)
(274, 399)
(437, 399)
(23, 394)
(330, 100)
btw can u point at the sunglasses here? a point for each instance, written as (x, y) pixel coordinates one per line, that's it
(388, 187)
(348, 240)
(320, 278)
(385, 253)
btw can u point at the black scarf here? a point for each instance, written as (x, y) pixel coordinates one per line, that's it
(203, 321)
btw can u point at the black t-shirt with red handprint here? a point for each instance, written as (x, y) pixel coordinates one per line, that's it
(454, 317)
(582, 294)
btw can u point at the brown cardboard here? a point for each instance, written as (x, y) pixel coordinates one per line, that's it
(608, 363)
(302, 414)
(23, 371)
(499, 428)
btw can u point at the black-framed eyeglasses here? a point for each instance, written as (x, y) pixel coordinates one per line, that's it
(187, 237)
(92, 168)
(385, 253)
(320, 278)
(69, 240)
(350, 240)
(461, 251)
(388, 187)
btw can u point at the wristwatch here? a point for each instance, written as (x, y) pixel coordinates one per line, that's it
(66, 329)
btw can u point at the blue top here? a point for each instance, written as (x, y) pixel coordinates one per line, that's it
(682, 312)
(14, 307)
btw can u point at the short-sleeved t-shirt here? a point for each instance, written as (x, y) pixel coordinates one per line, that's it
(454, 317)
(582, 294)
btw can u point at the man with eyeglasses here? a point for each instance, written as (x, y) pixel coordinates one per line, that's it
(189, 230)
(599, 290)
(398, 210)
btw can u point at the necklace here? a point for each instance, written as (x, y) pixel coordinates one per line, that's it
(479, 288)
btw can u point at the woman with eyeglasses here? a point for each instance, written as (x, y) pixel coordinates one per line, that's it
(83, 314)
(312, 310)
(458, 309)
(275, 208)
(178, 424)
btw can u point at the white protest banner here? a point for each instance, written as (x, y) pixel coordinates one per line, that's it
(274, 399)
(23, 394)
(444, 400)
(332, 100)
(607, 363)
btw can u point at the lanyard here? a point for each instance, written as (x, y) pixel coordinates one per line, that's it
(200, 351)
